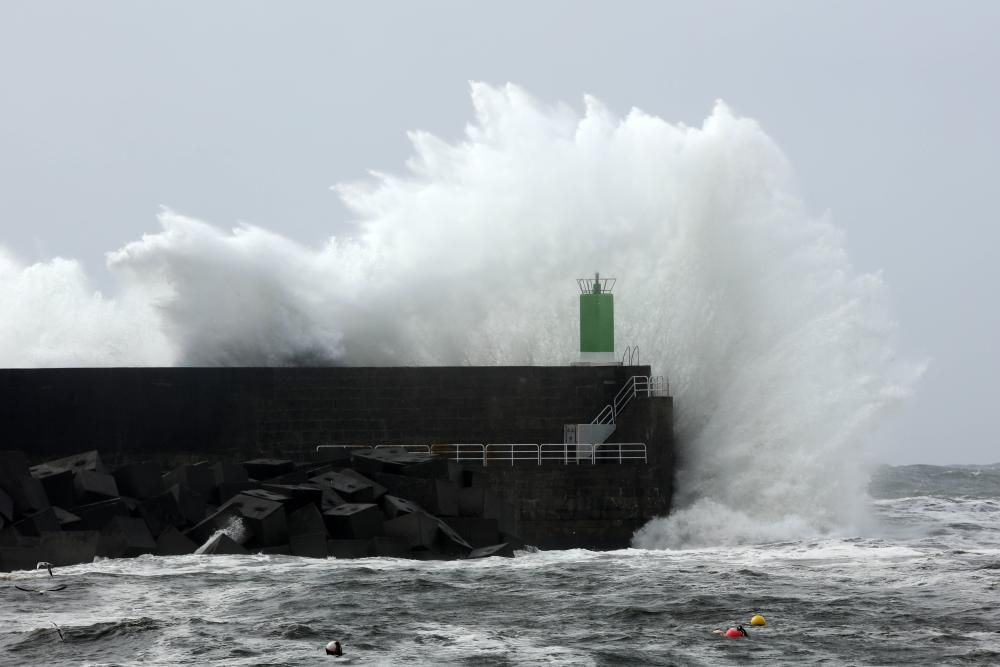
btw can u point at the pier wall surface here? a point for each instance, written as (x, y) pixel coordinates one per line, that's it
(137, 413)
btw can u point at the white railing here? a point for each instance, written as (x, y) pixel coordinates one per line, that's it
(637, 385)
(412, 449)
(461, 451)
(550, 452)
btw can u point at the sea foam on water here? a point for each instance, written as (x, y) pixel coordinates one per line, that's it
(779, 353)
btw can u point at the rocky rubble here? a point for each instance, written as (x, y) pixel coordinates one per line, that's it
(359, 503)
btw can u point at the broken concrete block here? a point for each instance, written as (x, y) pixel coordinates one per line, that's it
(263, 516)
(34, 524)
(95, 516)
(354, 521)
(503, 550)
(172, 542)
(395, 460)
(476, 531)
(265, 469)
(349, 548)
(93, 486)
(58, 484)
(139, 480)
(221, 544)
(69, 548)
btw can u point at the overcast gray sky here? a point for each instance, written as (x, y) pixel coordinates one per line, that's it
(249, 111)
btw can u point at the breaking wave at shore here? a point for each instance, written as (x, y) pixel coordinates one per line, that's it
(780, 354)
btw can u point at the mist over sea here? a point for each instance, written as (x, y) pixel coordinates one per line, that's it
(920, 589)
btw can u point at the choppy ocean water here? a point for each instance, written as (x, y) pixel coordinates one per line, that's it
(921, 589)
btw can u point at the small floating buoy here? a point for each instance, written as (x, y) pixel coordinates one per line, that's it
(758, 620)
(333, 648)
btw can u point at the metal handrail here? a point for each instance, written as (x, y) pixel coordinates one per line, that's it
(566, 453)
(637, 385)
(619, 451)
(512, 452)
(322, 447)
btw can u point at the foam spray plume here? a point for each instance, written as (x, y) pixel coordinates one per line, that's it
(780, 354)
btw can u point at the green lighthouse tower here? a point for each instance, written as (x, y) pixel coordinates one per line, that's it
(597, 320)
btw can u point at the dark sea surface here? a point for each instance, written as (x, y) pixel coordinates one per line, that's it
(921, 588)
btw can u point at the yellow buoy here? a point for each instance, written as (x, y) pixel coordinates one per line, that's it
(758, 620)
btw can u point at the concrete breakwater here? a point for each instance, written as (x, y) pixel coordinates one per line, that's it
(358, 502)
(226, 460)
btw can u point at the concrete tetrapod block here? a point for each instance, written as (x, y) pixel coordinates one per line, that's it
(415, 529)
(126, 537)
(161, 512)
(395, 460)
(447, 497)
(6, 506)
(93, 486)
(264, 517)
(349, 548)
(198, 477)
(139, 480)
(349, 488)
(21, 557)
(307, 533)
(227, 518)
(34, 524)
(306, 520)
(310, 545)
(227, 490)
(88, 460)
(221, 544)
(279, 550)
(377, 489)
(189, 502)
(298, 495)
(393, 506)
(67, 520)
(229, 472)
(470, 501)
(172, 542)
(503, 550)
(69, 548)
(391, 547)
(357, 521)
(476, 531)
(95, 516)
(264, 469)
(57, 482)
(420, 491)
